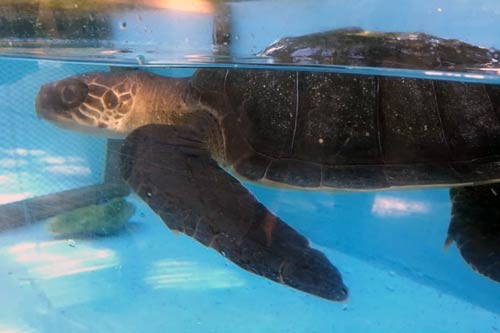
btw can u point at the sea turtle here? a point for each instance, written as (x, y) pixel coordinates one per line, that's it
(187, 139)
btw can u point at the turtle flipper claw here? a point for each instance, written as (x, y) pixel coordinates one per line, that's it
(172, 171)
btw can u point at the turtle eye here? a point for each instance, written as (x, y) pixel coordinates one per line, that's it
(72, 93)
(68, 94)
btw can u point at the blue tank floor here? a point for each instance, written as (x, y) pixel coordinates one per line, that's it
(148, 279)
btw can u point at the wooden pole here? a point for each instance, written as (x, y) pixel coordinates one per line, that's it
(31, 210)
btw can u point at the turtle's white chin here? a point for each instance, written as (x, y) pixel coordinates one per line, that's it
(74, 126)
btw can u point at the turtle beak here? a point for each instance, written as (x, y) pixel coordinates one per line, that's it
(38, 104)
(41, 102)
(48, 106)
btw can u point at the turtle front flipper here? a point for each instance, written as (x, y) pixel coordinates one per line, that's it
(475, 227)
(172, 171)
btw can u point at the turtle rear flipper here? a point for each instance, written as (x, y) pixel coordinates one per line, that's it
(172, 171)
(475, 227)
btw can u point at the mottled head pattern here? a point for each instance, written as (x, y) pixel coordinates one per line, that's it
(89, 103)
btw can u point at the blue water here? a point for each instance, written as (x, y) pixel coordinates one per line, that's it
(388, 245)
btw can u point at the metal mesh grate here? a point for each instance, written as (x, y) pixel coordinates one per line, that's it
(37, 158)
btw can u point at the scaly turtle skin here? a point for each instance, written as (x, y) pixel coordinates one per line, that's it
(306, 130)
(358, 47)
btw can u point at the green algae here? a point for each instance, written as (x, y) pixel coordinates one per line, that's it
(103, 219)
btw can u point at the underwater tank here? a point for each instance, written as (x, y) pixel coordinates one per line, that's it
(249, 166)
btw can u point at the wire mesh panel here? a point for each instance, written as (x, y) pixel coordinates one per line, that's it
(37, 158)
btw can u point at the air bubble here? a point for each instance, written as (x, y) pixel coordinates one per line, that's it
(123, 25)
(140, 60)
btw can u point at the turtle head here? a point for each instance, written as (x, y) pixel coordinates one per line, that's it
(95, 103)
